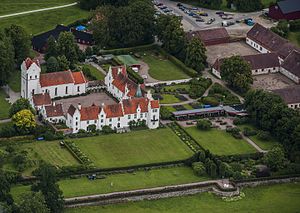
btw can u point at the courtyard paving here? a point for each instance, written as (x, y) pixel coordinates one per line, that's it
(271, 81)
(88, 100)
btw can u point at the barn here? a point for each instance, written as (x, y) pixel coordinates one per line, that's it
(211, 36)
(288, 9)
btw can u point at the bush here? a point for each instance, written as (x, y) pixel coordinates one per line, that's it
(107, 130)
(264, 135)
(204, 124)
(249, 132)
(179, 107)
(239, 121)
(210, 101)
(165, 114)
(199, 169)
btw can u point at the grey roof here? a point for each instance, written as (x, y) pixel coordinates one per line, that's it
(289, 6)
(290, 95)
(227, 109)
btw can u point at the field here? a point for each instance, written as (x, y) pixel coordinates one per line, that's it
(220, 142)
(36, 23)
(4, 105)
(268, 199)
(266, 145)
(95, 72)
(134, 148)
(162, 68)
(14, 6)
(50, 152)
(169, 99)
(121, 182)
(127, 59)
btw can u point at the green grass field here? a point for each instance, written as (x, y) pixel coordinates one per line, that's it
(293, 38)
(266, 145)
(50, 152)
(220, 142)
(95, 72)
(127, 59)
(134, 148)
(14, 6)
(161, 68)
(169, 99)
(4, 105)
(173, 88)
(267, 199)
(14, 82)
(121, 182)
(36, 23)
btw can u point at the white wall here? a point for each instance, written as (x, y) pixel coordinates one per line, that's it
(256, 46)
(290, 75)
(265, 71)
(294, 106)
(216, 73)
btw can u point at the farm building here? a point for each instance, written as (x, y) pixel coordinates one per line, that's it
(288, 9)
(290, 95)
(291, 67)
(211, 36)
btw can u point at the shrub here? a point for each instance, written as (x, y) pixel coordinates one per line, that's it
(239, 121)
(204, 124)
(165, 114)
(210, 101)
(264, 135)
(199, 168)
(249, 132)
(107, 130)
(179, 107)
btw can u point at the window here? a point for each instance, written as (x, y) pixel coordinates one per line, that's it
(141, 115)
(101, 120)
(66, 90)
(55, 91)
(129, 116)
(88, 122)
(78, 88)
(76, 118)
(110, 120)
(35, 76)
(101, 116)
(76, 128)
(119, 119)
(33, 91)
(109, 125)
(135, 115)
(95, 121)
(30, 77)
(260, 48)
(118, 125)
(76, 123)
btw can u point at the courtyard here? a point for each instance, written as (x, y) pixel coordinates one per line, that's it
(227, 50)
(87, 100)
(271, 81)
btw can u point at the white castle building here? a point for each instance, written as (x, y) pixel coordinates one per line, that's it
(134, 103)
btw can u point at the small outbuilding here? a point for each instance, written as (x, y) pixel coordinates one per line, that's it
(288, 10)
(211, 36)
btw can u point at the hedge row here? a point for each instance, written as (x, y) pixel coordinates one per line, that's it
(75, 151)
(17, 139)
(122, 51)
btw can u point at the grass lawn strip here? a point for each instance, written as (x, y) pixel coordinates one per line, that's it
(39, 22)
(268, 199)
(95, 72)
(169, 99)
(134, 148)
(220, 142)
(51, 152)
(161, 68)
(4, 105)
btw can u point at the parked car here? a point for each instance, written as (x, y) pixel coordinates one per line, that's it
(220, 13)
(203, 14)
(210, 21)
(179, 4)
(199, 20)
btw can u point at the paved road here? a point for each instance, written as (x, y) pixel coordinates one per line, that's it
(252, 143)
(39, 10)
(13, 96)
(5, 121)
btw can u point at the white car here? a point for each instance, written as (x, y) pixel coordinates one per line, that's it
(144, 76)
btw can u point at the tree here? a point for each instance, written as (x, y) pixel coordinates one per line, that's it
(49, 188)
(171, 34)
(52, 48)
(19, 105)
(21, 42)
(88, 51)
(195, 55)
(5, 189)
(92, 4)
(199, 169)
(67, 47)
(63, 63)
(24, 121)
(6, 58)
(248, 5)
(52, 64)
(237, 73)
(203, 124)
(33, 203)
(213, 170)
(107, 129)
(212, 4)
(274, 158)
(91, 128)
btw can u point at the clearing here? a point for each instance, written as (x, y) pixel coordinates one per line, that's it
(134, 148)
(220, 142)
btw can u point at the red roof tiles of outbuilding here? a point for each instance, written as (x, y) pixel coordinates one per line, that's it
(54, 110)
(41, 99)
(79, 77)
(114, 110)
(89, 113)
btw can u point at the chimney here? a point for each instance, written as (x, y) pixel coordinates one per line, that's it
(79, 106)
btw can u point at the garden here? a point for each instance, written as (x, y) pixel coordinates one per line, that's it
(273, 198)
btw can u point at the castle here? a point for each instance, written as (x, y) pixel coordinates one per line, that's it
(134, 104)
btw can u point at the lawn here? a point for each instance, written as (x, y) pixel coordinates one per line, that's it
(36, 23)
(220, 142)
(169, 99)
(127, 181)
(268, 199)
(266, 145)
(50, 152)
(134, 148)
(293, 38)
(162, 68)
(173, 88)
(14, 82)
(14, 6)
(121, 182)
(4, 105)
(95, 72)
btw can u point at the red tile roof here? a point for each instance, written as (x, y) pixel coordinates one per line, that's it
(54, 110)
(71, 110)
(292, 63)
(79, 78)
(154, 104)
(271, 40)
(41, 99)
(29, 62)
(130, 105)
(113, 111)
(89, 113)
(58, 78)
(210, 36)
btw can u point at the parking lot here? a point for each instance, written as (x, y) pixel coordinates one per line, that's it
(271, 81)
(228, 49)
